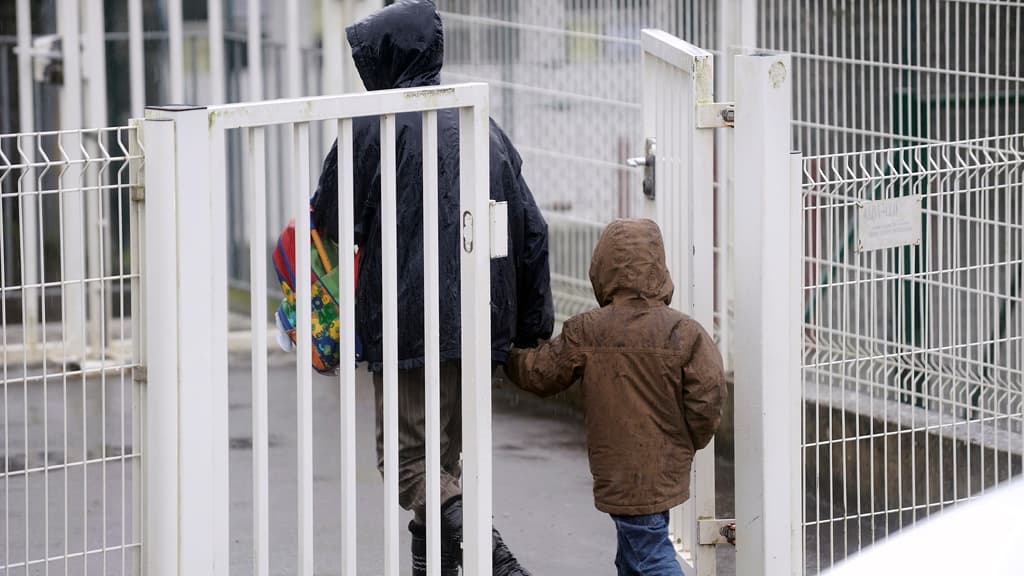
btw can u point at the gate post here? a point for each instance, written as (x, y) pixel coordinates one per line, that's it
(767, 361)
(181, 482)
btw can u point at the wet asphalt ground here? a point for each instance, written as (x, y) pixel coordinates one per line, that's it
(542, 486)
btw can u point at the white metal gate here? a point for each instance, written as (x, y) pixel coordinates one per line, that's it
(678, 172)
(187, 498)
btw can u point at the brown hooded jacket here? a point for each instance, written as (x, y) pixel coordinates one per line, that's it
(651, 377)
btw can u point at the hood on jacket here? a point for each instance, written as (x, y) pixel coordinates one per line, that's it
(629, 264)
(400, 46)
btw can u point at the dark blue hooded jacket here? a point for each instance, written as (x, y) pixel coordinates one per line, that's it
(402, 46)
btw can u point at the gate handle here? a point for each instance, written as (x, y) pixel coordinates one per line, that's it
(647, 162)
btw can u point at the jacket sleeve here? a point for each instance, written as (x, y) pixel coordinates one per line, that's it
(549, 368)
(704, 389)
(536, 318)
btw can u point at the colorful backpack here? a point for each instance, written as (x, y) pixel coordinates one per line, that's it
(326, 324)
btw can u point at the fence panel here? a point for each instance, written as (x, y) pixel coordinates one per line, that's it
(912, 357)
(874, 75)
(70, 421)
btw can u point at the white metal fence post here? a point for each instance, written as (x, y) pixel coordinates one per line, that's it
(767, 358)
(159, 282)
(182, 511)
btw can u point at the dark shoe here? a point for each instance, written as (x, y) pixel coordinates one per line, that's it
(449, 562)
(419, 548)
(502, 559)
(505, 563)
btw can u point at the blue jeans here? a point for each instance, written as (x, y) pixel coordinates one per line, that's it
(644, 547)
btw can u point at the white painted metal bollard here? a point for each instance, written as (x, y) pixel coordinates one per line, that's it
(184, 511)
(767, 361)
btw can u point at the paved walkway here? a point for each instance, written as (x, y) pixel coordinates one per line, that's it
(542, 488)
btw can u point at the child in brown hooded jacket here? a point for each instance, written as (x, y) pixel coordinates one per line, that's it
(652, 388)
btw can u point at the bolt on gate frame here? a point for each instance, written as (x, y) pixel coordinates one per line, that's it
(187, 500)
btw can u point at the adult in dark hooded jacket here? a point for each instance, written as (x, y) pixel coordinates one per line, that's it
(402, 46)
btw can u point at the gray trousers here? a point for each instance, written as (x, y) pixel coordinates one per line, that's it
(412, 463)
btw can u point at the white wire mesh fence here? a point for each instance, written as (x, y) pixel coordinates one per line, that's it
(913, 355)
(875, 74)
(70, 444)
(554, 69)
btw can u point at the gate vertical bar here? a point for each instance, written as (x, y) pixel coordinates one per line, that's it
(767, 356)
(699, 279)
(347, 314)
(677, 78)
(258, 311)
(217, 323)
(389, 265)
(431, 329)
(476, 336)
(304, 370)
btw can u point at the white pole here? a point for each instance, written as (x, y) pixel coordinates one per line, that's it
(136, 58)
(796, 262)
(215, 15)
(200, 437)
(748, 25)
(96, 210)
(333, 32)
(767, 356)
(29, 217)
(723, 153)
(176, 49)
(254, 41)
(293, 51)
(72, 203)
(161, 313)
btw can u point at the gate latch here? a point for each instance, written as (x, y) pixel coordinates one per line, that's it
(717, 531)
(499, 229)
(716, 115)
(647, 161)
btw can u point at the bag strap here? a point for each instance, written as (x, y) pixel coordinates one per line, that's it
(324, 260)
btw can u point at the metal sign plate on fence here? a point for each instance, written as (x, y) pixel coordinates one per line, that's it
(888, 223)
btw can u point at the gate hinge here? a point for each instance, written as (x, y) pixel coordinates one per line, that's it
(140, 375)
(137, 193)
(716, 115)
(717, 531)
